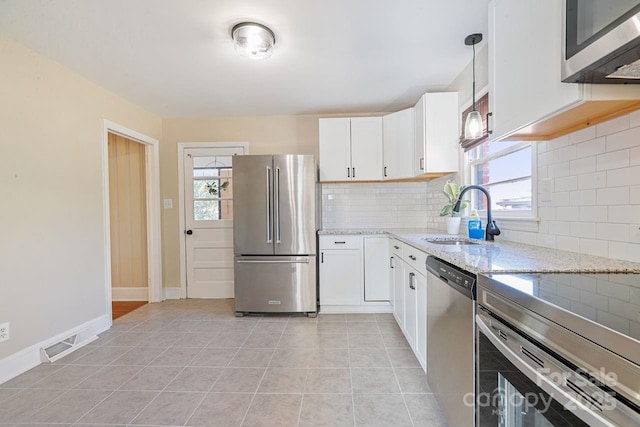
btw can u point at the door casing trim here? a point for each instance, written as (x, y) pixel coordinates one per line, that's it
(154, 248)
(183, 250)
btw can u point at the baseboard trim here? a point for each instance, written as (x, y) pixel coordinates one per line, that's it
(171, 293)
(28, 358)
(377, 308)
(129, 294)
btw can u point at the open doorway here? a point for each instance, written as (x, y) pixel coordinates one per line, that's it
(128, 219)
(132, 216)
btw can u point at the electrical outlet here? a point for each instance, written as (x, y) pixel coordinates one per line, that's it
(4, 332)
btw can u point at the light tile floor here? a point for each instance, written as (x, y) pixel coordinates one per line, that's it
(193, 363)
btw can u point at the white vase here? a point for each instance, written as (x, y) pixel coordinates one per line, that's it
(453, 224)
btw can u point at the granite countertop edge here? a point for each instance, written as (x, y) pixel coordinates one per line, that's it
(499, 257)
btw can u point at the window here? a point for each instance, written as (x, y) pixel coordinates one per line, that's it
(212, 189)
(505, 168)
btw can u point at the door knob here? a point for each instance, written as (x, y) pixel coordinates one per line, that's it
(189, 232)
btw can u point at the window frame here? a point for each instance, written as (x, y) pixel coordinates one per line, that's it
(528, 215)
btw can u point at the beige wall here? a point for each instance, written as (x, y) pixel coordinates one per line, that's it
(52, 257)
(265, 135)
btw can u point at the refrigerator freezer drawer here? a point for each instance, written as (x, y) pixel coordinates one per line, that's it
(275, 284)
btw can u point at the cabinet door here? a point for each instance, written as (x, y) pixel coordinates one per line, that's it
(340, 277)
(398, 291)
(366, 148)
(419, 137)
(335, 149)
(398, 135)
(525, 83)
(376, 255)
(441, 132)
(410, 299)
(421, 320)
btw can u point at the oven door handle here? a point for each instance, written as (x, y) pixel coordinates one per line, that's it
(559, 394)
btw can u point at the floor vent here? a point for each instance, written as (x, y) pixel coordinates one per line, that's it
(66, 346)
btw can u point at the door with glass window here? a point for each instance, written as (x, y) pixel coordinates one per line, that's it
(208, 234)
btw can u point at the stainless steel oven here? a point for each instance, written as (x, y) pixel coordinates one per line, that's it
(601, 41)
(540, 363)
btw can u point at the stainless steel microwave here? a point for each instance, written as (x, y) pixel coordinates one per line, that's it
(601, 41)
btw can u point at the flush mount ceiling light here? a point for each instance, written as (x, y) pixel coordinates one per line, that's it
(473, 126)
(253, 40)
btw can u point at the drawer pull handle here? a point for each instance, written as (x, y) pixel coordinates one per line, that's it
(396, 247)
(412, 258)
(339, 243)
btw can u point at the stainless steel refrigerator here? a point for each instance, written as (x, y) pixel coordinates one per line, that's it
(274, 233)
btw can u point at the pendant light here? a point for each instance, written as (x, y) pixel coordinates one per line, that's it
(473, 126)
(253, 40)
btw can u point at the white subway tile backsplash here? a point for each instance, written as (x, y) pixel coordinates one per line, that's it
(582, 135)
(627, 215)
(566, 213)
(558, 170)
(584, 165)
(634, 195)
(613, 196)
(617, 232)
(568, 183)
(631, 177)
(559, 228)
(634, 119)
(612, 160)
(564, 154)
(582, 198)
(594, 247)
(593, 214)
(591, 147)
(612, 126)
(583, 229)
(625, 250)
(628, 139)
(634, 156)
(592, 180)
(566, 243)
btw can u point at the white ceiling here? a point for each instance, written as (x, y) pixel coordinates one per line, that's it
(176, 58)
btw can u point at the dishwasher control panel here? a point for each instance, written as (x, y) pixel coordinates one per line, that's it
(455, 276)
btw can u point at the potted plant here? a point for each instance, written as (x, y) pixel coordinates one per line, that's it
(452, 218)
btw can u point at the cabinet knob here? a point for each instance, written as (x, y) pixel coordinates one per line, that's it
(412, 258)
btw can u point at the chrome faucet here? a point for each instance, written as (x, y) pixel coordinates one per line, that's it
(492, 229)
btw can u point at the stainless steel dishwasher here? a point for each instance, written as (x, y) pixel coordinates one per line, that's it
(450, 340)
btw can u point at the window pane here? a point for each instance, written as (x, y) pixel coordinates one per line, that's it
(512, 166)
(208, 188)
(512, 196)
(212, 209)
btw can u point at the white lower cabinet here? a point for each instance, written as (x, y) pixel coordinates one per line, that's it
(410, 309)
(376, 283)
(340, 276)
(352, 274)
(409, 297)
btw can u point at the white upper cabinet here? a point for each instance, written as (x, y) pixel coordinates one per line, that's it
(366, 148)
(436, 134)
(398, 137)
(350, 149)
(525, 41)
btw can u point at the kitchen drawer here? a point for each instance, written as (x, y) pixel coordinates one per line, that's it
(415, 258)
(340, 242)
(395, 247)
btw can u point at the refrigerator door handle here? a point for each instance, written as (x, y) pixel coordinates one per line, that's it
(274, 261)
(277, 205)
(268, 205)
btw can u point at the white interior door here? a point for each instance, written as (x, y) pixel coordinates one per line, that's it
(208, 205)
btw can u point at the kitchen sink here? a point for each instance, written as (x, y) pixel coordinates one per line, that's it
(453, 242)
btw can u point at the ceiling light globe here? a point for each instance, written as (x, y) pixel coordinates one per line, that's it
(253, 40)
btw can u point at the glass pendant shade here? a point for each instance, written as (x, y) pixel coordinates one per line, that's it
(473, 125)
(253, 40)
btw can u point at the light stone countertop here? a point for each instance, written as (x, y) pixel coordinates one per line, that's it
(500, 256)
